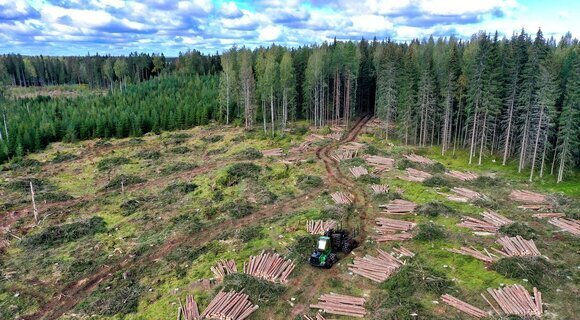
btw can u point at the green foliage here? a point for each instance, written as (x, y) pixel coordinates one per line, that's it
(149, 155)
(110, 163)
(302, 247)
(248, 154)
(436, 181)
(369, 179)
(123, 179)
(212, 138)
(430, 232)
(354, 162)
(237, 172)
(262, 292)
(537, 270)
(62, 157)
(180, 188)
(372, 150)
(433, 209)
(180, 150)
(438, 168)
(250, 233)
(307, 182)
(386, 197)
(177, 167)
(404, 164)
(23, 185)
(117, 296)
(56, 196)
(128, 207)
(187, 254)
(487, 182)
(519, 229)
(189, 222)
(55, 235)
(238, 208)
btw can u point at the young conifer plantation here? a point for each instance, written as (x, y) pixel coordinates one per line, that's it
(516, 98)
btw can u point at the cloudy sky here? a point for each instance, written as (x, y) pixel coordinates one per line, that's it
(70, 27)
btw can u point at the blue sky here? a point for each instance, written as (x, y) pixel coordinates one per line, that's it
(71, 27)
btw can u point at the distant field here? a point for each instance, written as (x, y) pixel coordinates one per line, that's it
(65, 91)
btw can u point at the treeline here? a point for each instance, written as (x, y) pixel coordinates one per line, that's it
(167, 103)
(514, 98)
(100, 71)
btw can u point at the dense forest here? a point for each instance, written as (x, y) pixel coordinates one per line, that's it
(517, 98)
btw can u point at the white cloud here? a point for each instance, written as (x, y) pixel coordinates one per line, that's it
(270, 33)
(230, 10)
(371, 23)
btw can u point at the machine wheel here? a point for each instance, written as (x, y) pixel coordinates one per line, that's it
(349, 245)
(331, 260)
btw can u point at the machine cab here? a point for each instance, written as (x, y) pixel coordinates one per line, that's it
(323, 244)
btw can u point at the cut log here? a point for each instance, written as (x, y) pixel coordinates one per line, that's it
(518, 246)
(341, 305)
(379, 163)
(378, 268)
(270, 267)
(463, 176)
(223, 268)
(399, 206)
(230, 306)
(273, 152)
(415, 175)
(358, 171)
(570, 225)
(320, 226)
(515, 300)
(464, 306)
(342, 198)
(380, 188)
(527, 197)
(419, 159)
(474, 253)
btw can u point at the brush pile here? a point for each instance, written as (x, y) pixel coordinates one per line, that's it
(273, 152)
(270, 267)
(517, 247)
(342, 198)
(419, 159)
(380, 163)
(515, 300)
(378, 268)
(548, 215)
(317, 317)
(358, 171)
(463, 176)
(399, 206)
(188, 312)
(474, 253)
(491, 222)
(229, 306)
(223, 268)
(416, 175)
(344, 155)
(319, 226)
(570, 225)
(463, 195)
(464, 306)
(341, 305)
(380, 188)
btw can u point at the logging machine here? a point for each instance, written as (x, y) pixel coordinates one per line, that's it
(329, 245)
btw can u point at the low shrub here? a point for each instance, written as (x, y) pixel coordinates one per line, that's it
(55, 235)
(178, 138)
(299, 130)
(248, 154)
(265, 196)
(62, 157)
(537, 270)
(180, 188)
(372, 150)
(436, 181)
(386, 197)
(438, 168)
(486, 182)
(129, 207)
(486, 203)
(23, 185)
(307, 182)
(238, 208)
(404, 164)
(23, 163)
(433, 209)
(213, 138)
(369, 179)
(430, 232)
(189, 222)
(54, 196)
(149, 155)
(214, 152)
(250, 233)
(177, 167)
(519, 229)
(239, 171)
(110, 163)
(116, 297)
(125, 180)
(262, 292)
(302, 247)
(354, 162)
(180, 150)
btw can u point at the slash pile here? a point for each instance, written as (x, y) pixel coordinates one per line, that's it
(463, 195)
(416, 175)
(229, 306)
(342, 305)
(342, 198)
(419, 159)
(358, 171)
(344, 155)
(272, 152)
(515, 300)
(223, 268)
(378, 268)
(387, 229)
(380, 163)
(319, 226)
(491, 222)
(570, 225)
(188, 312)
(380, 188)
(399, 206)
(464, 306)
(463, 176)
(270, 267)
(474, 253)
(517, 247)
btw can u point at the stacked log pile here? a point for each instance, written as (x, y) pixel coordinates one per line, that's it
(342, 197)
(341, 305)
(378, 268)
(474, 253)
(270, 267)
(419, 159)
(317, 317)
(273, 152)
(548, 215)
(335, 135)
(380, 163)
(344, 155)
(570, 225)
(320, 226)
(402, 251)
(307, 143)
(393, 237)
(393, 230)
(229, 306)
(380, 188)
(399, 206)
(527, 197)
(515, 300)
(463, 176)
(464, 306)
(356, 146)
(416, 175)
(463, 195)
(188, 312)
(491, 222)
(518, 247)
(223, 268)
(358, 171)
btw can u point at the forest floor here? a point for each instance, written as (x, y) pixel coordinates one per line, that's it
(129, 226)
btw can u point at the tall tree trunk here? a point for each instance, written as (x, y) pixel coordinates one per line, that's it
(272, 107)
(6, 128)
(509, 129)
(543, 155)
(227, 98)
(473, 133)
(536, 143)
(483, 138)
(264, 116)
(523, 145)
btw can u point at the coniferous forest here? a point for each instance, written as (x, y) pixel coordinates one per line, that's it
(517, 98)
